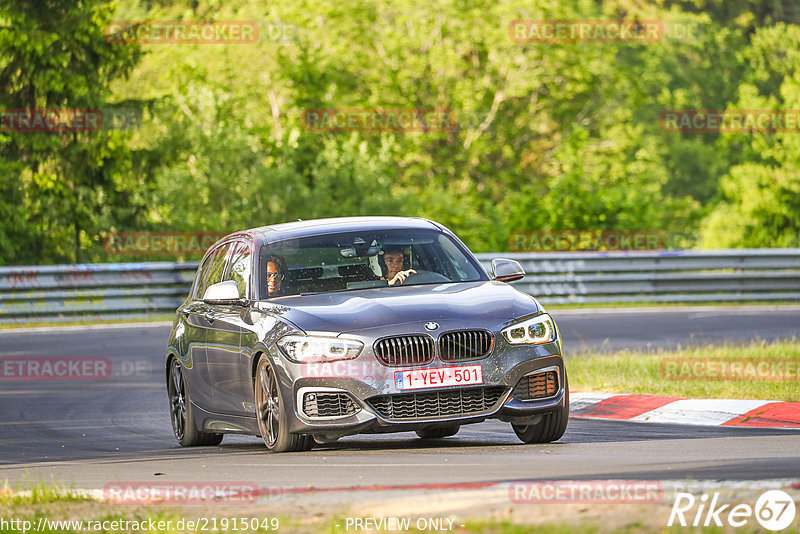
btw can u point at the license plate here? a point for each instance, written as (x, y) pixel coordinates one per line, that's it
(438, 377)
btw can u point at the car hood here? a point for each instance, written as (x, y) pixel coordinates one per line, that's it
(464, 304)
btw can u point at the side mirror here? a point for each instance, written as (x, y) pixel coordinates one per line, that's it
(507, 270)
(223, 293)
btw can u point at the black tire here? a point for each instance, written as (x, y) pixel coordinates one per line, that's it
(438, 432)
(181, 411)
(550, 428)
(271, 410)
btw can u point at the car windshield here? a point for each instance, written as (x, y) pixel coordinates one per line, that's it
(363, 260)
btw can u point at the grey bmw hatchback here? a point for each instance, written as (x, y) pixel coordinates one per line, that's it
(308, 331)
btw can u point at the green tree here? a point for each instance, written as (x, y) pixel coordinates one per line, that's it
(546, 135)
(760, 196)
(53, 55)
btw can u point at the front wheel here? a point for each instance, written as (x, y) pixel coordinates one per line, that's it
(180, 405)
(271, 411)
(551, 427)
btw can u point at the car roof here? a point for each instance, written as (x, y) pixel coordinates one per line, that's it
(300, 228)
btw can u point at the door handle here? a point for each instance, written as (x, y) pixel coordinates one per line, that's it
(210, 316)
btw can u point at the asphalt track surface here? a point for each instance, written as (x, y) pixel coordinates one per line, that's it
(90, 433)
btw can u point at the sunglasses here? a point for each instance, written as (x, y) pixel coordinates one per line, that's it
(274, 276)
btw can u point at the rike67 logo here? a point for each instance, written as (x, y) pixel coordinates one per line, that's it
(774, 510)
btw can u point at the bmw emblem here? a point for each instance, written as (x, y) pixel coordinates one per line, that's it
(431, 325)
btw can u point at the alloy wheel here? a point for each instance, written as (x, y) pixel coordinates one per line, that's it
(269, 405)
(178, 401)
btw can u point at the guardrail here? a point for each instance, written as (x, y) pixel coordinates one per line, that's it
(92, 290)
(128, 290)
(659, 276)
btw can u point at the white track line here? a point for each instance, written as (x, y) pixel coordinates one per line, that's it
(579, 400)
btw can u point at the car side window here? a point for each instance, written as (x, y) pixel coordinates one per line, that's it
(464, 269)
(240, 269)
(216, 269)
(202, 274)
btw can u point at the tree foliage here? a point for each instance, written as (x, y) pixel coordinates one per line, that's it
(546, 136)
(62, 188)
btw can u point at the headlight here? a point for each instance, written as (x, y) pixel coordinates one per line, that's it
(535, 331)
(302, 349)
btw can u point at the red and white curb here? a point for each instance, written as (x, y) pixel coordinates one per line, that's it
(705, 412)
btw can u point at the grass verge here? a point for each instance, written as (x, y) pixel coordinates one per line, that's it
(57, 509)
(105, 519)
(766, 371)
(37, 494)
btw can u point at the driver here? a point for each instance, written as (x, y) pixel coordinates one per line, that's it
(393, 259)
(276, 272)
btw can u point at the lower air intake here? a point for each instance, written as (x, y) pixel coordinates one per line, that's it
(328, 404)
(536, 386)
(455, 403)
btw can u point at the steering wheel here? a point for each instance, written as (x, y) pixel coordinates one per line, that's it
(425, 277)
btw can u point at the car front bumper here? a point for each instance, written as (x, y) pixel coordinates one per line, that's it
(368, 385)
